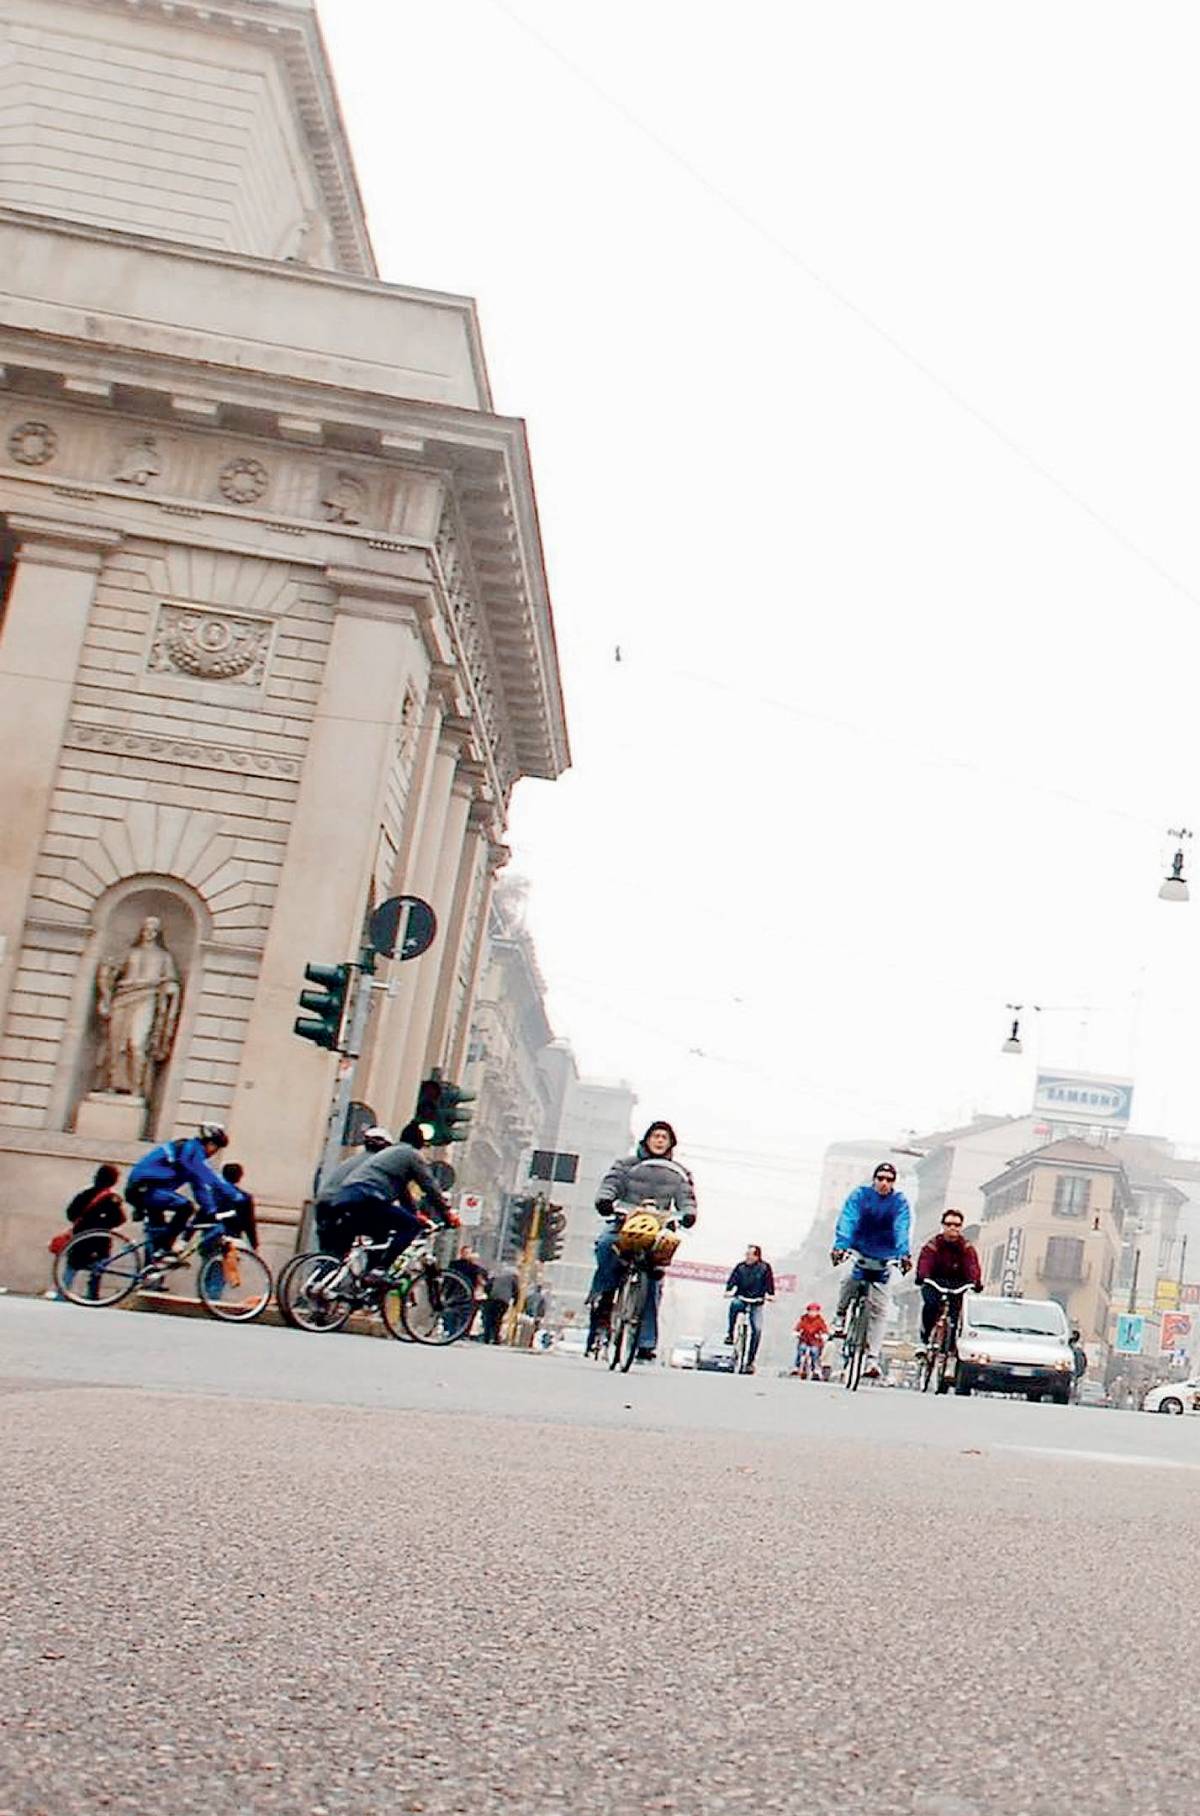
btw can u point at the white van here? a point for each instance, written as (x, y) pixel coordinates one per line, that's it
(1016, 1346)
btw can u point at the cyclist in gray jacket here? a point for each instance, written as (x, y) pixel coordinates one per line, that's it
(650, 1173)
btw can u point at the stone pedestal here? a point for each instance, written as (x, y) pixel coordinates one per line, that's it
(111, 1117)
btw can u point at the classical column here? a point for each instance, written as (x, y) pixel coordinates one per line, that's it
(416, 1005)
(494, 857)
(416, 874)
(458, 948)
(40, 647)
(283, 1093)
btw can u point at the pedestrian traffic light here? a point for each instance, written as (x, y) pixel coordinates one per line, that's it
(325, 1006)
(550, 1242)
(440, 1111)
(519, 1224)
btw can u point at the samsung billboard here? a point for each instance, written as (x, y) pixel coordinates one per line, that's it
(1081, 1097)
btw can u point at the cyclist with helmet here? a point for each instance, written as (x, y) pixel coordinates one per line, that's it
(379, 1197)
(650, 1174)
(331, 1236)
(155, 1187)
(874, 1224)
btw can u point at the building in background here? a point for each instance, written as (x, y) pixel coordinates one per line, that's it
(276, 639)
(595, 1122)
(1053, 1227)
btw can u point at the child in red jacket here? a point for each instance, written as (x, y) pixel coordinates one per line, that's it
(811, 1332)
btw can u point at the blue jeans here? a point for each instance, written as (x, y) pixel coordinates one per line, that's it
(755, 1315)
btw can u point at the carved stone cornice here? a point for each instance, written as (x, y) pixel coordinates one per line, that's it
(190, 752)
(62, 542)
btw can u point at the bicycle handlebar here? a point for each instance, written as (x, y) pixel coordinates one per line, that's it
(968, 1286)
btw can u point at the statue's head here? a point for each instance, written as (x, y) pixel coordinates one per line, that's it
(150, 933)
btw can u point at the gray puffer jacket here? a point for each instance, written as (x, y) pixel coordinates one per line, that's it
(644, 1176)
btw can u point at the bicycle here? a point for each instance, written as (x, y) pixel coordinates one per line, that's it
(114, 1267)
(416, 1299)
(656, 1239)
(942, 1348)
(743, 1337)
(869, 1272)
(808, 1362)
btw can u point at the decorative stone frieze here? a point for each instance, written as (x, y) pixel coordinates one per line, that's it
(244, 480)
(138, 462)
(210, 646)
(188, 751)
(344, 499)
(32, 444)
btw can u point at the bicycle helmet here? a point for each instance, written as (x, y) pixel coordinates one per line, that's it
(214, 1132)
(375, 1138)
(639, 1232)
(813, 1307)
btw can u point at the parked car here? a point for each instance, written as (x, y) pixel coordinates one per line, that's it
(1016, 1346)
(1174, 1397)
(716, 1357)
(1093, 1393)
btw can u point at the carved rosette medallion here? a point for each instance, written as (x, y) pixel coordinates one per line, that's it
(243, 481)
(210, 646)
(32, 444)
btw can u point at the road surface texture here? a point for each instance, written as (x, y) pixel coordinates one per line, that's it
(252, 1570)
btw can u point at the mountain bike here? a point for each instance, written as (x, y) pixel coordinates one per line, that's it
(743, 1337)
(416, 1299)
(941, 1351)
(101, 1267)
(868, 1273)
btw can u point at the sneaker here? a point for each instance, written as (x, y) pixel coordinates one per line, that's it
(872, 1371)
(837, 1334)
(919, 1353)
(644, 1355)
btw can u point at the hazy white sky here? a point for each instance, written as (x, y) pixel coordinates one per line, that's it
(857, 345)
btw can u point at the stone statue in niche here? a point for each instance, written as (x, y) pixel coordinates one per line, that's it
(137, 1001)
(139, 462)
(344, 499)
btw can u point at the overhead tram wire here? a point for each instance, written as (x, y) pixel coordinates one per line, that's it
(865, 319)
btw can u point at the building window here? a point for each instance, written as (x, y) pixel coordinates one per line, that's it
(1064, 1258)
(1072, 1196)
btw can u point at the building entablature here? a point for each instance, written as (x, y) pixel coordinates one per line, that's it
(188, 455)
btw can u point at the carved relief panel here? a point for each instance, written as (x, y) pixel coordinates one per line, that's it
(210, 645)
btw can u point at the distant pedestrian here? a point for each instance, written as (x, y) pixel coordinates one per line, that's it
(502, 1291)
(1080, 1362)
(98, 1207)
(470, 1268)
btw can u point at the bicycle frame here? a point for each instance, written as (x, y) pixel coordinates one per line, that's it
(743, 1334)
(854, 1345)
(942, 1349)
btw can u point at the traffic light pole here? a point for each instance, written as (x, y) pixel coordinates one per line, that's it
(356, 1032)
(528, 1265)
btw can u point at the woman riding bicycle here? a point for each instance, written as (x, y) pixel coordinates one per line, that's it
(649, 1175)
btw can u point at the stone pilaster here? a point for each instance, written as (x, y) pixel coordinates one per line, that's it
(43, 632)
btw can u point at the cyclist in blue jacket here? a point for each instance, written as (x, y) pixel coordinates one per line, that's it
(155, 1185)
(875, 1224)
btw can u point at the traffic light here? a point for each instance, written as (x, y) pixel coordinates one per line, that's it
(455, 1116)
(325, 1006)
(554, 1223)
(440, 1110)
(517, 1228)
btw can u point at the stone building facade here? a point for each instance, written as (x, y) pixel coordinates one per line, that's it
(276, 638)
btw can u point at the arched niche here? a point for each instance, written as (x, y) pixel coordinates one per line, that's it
(103, 1096)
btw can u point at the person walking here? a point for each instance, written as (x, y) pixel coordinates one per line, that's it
(501, 1292)
(1079, 1361)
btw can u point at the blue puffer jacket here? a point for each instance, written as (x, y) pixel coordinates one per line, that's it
(874, 1224)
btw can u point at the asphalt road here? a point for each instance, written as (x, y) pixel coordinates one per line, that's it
(258, 1571)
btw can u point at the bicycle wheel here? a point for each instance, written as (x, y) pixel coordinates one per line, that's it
(99, 1269)
(856, 1343)
(741, 1344)
(942, 1369)
(628, 1307)
(391, 1307)
(303, 1303)
(436, 1308)
(929, 1366)
(234, 1283)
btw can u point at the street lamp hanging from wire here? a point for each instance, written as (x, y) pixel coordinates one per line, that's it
(1174, 886)
(1013, 1043)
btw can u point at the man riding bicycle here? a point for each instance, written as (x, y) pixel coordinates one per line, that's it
(377, 1199)
(874, 1224)
(154, 1189)
(947, 1260)
(751, 1283)
(649, 1175)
